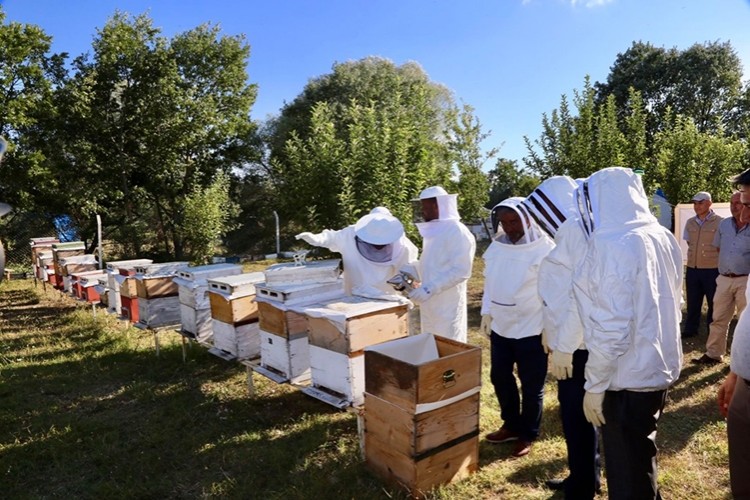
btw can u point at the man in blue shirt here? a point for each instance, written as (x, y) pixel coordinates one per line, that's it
(732, 240)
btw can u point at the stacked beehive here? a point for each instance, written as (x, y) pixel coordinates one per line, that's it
(73, 265)
(195, 307)
(61, 251)
(45, 267)
(158, 295)
(76, 281)
(88, 286)
(234, 314)
(128, 292)
(41, 246)
(114, 300)
(101, 287)
(284, 348)
(422, 411)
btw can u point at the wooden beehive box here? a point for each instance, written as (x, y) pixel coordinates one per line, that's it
(44, 264)
(102, 289)
(232, 298)
(128, 293)
(63, 250)
(155, 281)
(88, 283)
(114, 302)
(76, 282)
(284, 350)
(195, 306)
(422, 411)
(158, 312)
(242, 341)
(318, 271)
(39, 246)
(338, 332)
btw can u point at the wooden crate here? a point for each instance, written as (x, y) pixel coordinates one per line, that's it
(420, 474)
(288, 357)
(317, 271)
(441, 369)
(158, 312)
(241, 341)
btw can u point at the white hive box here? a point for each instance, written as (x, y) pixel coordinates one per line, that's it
(102, 288)
(87, 285)
(338, 332)
(195, 307)
(318, 271)
(234, 314)
(43, 263)
(158, 295)
(284, 349)
(114, 301)
(38, 246)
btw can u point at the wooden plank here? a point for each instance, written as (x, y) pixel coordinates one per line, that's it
(414, 435)
(421, 475)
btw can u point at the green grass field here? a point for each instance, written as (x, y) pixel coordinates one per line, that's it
(87, 410)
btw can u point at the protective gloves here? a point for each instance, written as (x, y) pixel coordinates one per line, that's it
(312, 239)
(562, 365)
(371, 292)
(421, 294)
(545, 344)
(592, 408)
(486, 326)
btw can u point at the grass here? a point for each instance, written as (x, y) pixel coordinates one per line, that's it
(88, 411)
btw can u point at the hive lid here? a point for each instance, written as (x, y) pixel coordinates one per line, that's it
(117, 264)
(317, 271)
(198, 273)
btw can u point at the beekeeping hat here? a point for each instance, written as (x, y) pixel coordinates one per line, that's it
(379, 227)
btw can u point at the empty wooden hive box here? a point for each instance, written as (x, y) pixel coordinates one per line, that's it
(338, 332)
(158, 295)
(234, 314)
(114, 301)
(284, 349)
(195, 306)
(422, 411)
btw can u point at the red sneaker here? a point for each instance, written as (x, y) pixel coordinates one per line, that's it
(501, 436)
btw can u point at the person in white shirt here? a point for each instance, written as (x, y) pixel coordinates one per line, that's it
(629, 294)
(512, 317)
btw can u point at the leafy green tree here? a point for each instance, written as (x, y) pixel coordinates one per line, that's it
(507, 180)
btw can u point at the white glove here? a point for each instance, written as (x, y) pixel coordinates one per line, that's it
(562, 365)
(420, 295)
(592, 408)
(486, 326)
(312, 239)
(371, 292)
(545, 344)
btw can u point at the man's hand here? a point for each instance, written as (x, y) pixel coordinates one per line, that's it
(592, 408)
(562, 365)
(726, 391)
(545, 344)
(486, 326)
(310, 238)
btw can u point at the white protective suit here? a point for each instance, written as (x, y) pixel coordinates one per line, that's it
(363, 276)
(629, 287)
(511, 294)
(553, 205)
(445, 267)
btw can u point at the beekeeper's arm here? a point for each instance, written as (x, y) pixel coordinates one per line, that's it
(459, 251)
(606, 286)
(329, 239)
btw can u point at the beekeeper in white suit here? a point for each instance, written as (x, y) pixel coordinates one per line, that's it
(373, 250)
(629, 294)
(444, 266)
(553, 206)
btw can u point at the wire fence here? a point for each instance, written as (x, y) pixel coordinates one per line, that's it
(16, 232)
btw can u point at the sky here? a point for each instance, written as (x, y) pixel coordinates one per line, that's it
(511, 60)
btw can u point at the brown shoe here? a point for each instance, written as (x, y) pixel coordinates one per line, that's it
(521, 448)
(706, 360)
(501, 436)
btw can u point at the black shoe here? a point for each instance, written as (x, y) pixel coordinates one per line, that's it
(555, 484)
(706, 360)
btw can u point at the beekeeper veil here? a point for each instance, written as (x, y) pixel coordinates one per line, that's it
(377, 235)
(552, 203)
(531, 231)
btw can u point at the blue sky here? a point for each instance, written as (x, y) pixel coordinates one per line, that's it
(509, 59)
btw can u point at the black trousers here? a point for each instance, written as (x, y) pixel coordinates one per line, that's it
(629, 436)
(699, 283)
(581, 437)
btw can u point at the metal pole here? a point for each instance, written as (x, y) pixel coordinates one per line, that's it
(99, 236)
(278, 242)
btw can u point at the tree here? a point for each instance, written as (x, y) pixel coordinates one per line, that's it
(150, 122)
(507, 180)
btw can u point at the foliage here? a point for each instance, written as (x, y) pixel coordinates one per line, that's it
(507, 180)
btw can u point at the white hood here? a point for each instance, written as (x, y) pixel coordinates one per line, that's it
(531, 229)
(553, 202)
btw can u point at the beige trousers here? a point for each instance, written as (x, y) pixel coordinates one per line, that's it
(729, 296)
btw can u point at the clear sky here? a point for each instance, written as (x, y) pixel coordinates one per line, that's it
(509, 59)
